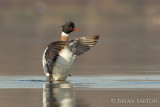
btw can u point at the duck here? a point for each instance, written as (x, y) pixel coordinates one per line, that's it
(59, 56)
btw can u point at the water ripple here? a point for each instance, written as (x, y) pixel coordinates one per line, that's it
(90, 82)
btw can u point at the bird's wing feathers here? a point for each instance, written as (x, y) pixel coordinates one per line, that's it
(80, 45)
(52, 52)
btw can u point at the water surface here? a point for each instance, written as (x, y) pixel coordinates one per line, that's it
(79, 91)
(85, 82)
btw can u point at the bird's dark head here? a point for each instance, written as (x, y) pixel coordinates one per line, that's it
(69, 27)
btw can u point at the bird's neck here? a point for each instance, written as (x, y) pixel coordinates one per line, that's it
(64, 37)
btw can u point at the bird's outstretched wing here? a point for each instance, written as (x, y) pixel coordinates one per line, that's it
(80, 45)
(51, 54)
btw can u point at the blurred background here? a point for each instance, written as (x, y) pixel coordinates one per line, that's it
(129, 30)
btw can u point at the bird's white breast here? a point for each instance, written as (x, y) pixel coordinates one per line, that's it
(63, 64)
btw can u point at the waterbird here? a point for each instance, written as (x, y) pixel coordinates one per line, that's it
(59, 56)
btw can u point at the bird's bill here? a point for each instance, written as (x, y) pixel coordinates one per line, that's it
(77, 29)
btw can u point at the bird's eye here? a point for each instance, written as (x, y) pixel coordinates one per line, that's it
(70, 27)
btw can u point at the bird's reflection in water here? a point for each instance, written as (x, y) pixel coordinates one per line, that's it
(58, 94)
